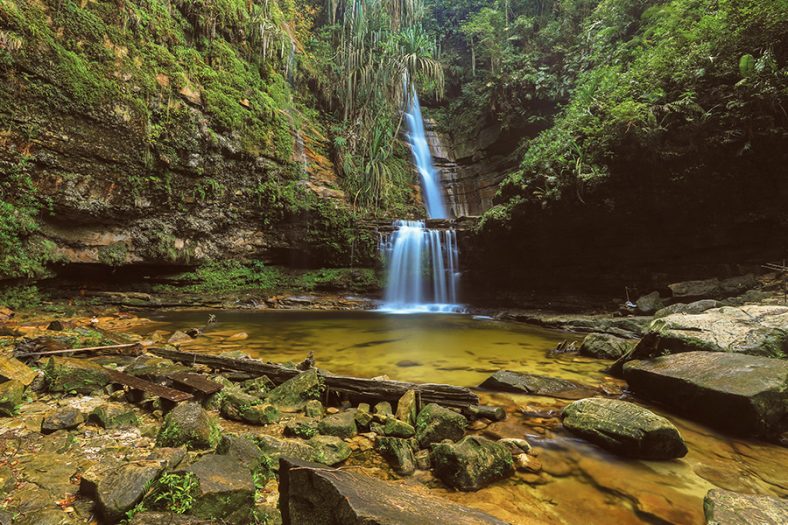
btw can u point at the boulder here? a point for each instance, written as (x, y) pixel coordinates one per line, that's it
(304, 428)
(407, 407)
(311, 494)
(240, 406)
(519, 382)
(121, 489)
(328, 450)
(293, 394)
(152, 368)
(224, 486)
(69, 374)
(189, 425)
(113, 415)
(398, 452)
(723, 507)
(624, 428)
(64, 419)
(179, 337)
(314, 408)
(694, 308)
(648, 304)
(734, 392)
(713, 288)
(242, 448)
(11, 396)
(393, 427)
(605, 346)
(471, 463)
(258, 386)
(435, 423)
(342, 425)
(363, 415)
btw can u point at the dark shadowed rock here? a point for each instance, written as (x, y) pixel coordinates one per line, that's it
(311, 494)
(64, 419)
(648, 304)
(507, 381)
(694, 308)
(723, 507)
(242, 448)
(398, 452)
(734, 392)
(166, 518)
(435, 423)
(11, 396)
(188, 424)
(471, 463)
(605, 346)
(225, 485)
(123, 488)
(624, 428)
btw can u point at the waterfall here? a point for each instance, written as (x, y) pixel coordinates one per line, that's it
(423, 269)
(417, 139)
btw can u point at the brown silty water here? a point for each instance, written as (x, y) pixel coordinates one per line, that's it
(577, 483)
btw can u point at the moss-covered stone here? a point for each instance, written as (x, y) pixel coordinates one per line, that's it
(66, 418)
(398, 452)
(68, 374)
(11, 396)
(393, 427)
(243, 448)
(240, 406)
(407, 407)
(362, 415)
(225, 485)
(328, 450)
(123, 488)
(189, 425)
(114, 415)
(293, 394)
(435, 423)
(471, 463)
(304, 428)
(341, 425)
(314, 408)
(258, 386)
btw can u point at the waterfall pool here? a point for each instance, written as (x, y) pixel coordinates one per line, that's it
(572, 481)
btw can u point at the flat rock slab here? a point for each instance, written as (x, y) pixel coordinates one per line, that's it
(311, 494)
(508, 381)
(225, 486)
(723, 507)
(624, 428)
(734, 392)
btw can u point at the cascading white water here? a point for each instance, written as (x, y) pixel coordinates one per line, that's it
(422, 269)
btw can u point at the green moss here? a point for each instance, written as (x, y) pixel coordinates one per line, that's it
(114, 254)
(175, 492)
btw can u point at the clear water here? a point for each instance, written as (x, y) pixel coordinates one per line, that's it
(422, 157)
(577, 483)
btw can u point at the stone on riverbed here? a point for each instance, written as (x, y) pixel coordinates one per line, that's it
(64, 419)
(393, 427)
(508, 381)
(314, 408)
(123, 488)
(436, 423)
(188, 424)
(68, 374)
(723, 507)
(605, 346)
(407, 407)
(648, 304)
(113, 415)
(734, 392)
(225, 485)
(328, 450)
(624, 428)
(304, 427)
(471, 463)
(311, 494)
(240, 406)
(11, 396)
(694, 308)
(399, 453)
(293, 394)
(342, 425)
(166, 518)
(242, 448)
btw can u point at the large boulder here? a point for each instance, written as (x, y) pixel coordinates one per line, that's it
(522, 383)
(293, 394)
(121, 489)
(68, 374)
(694, 308)
(311, 494)
(624, 428)
(225, 485)
(723, 507)
(188, 424)
(713, 288)
(471, 463)
(735, 392)
(11, 396)
(605, 346)
(435, 423)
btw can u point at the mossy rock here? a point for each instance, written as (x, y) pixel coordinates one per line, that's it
(393, 427)
(293, 394)
(407, 407)
(11, 397)
(471, 463)
(399, 453)
(114, 415)
(225, 486)
(314, 408)
(68, 374)
(243, 448)
(189, 425)
(328, 450)
(257, 387)
(435, 423)
(304, 428)
(342, 425)
(240, 406)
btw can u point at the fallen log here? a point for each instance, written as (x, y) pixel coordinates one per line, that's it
(356, 389)
(135, 383)
(132, 349)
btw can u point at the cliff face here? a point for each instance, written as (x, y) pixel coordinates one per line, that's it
(155, 133)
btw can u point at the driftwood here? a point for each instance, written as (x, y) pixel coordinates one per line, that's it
(170, 394)
(132, 349)
(357, 389)
(196, 382)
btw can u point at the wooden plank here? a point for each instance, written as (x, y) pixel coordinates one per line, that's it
(358, 389)
(170, 394)
(196, 382)
(11, 368)
(132, 349)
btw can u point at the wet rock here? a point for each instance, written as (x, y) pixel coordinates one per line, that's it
(123, 488)
(624, 428)
(45, 517)
(363, 416)
(240, 406)
(648, 304)
(64, 419)
(407, 408)
(471, 463)
(341, 425)
(189, 425)
(179, 337)
(713, 288)
(242, 448)
(304, 428)
(258, 386)
(56, 326)
(393, 427)
(723, 507)
(114, 415)
(508, 381)
(293, 394)
(167, 457)
(225, 485)
(398, 452)
(694, 308)
(166, 518)
(407, 363)
(314, 408)
(68, 374)
(605, 346)
(515, 445)
(313, 495)
(11, 396)
(525, 463)
(435, 423)
(733, 392)
(328, 450)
